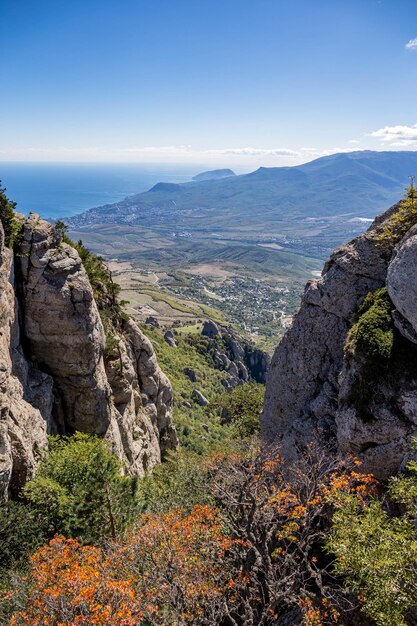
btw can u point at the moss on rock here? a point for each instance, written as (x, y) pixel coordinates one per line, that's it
(373, 334)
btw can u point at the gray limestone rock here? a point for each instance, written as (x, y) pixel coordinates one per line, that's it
(23, 425)
(402, 278)
(210, 329)
(233, 370)
(238, 351)
(62, 327)
(57, 377)
(243, 371)
(170, 338)
(311, 381)
(225, 361)
(198, 397)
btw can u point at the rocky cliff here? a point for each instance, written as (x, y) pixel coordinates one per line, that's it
(235, 356)
(57, 371)
(346, 370)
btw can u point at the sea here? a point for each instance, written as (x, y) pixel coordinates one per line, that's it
(59, 190)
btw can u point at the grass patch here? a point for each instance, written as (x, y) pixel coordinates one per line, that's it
(401, 220)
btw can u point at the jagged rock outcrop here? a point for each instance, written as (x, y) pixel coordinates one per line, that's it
(55, 372)
(62, 328)
(25, 393)
(318, 388)
(233, 354)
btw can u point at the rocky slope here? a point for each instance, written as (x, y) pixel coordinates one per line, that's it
(346, 371)
(232, 354)
(56, 374)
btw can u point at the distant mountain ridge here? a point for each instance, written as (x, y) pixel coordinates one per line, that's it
(356, 183)
(214, 175)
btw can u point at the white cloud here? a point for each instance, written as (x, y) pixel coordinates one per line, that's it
(158, 150)
(278, 152)
(246, 157)
(397, 135)
(412, 44)
(139, 152)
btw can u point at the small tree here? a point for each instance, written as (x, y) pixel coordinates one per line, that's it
(80, 490)
(72, 584)
(11, 226)
(61, 229)
(278, 517)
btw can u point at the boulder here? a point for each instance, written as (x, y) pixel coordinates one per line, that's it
(243, 372)
(224, 360)
(233, 370)
(210, 329)
(402, 281)
(198, 397)
(190, 373)
(152, 321)
(170, 338)
(238, 352)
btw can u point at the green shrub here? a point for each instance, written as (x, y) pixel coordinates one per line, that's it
(242, 407)
(22, 531)
(61, 229)
(373, 334)
(371, 341)
(180, 482)
(79, 489)
(377, 552)
(11, 225)
(200, 429)
(401, 221)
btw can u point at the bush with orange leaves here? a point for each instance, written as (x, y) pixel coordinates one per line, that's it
(167, 570)
(278, 518)
(71, 584)
(178, 565)
(256, 559)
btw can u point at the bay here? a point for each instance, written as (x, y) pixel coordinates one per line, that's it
(57, 190)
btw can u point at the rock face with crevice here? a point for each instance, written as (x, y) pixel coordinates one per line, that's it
(55, 375)
(62, 327)
(25, 392)
(312, 377)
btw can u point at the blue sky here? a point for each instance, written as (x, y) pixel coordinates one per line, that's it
(244, 82)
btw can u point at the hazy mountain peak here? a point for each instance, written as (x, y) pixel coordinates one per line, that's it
(214, 174)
